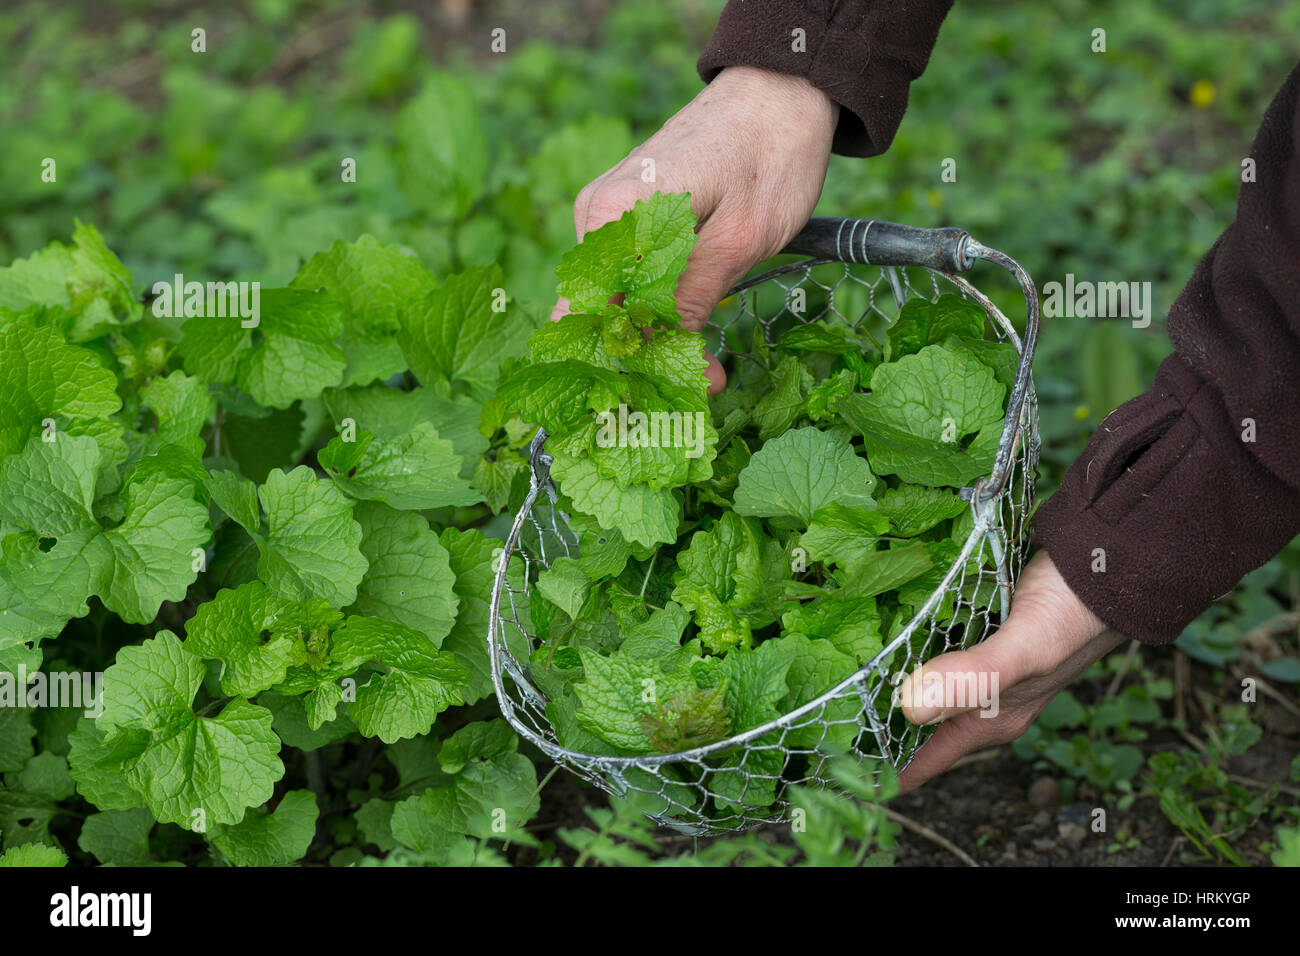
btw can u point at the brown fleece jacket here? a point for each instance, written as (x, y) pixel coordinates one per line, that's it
(863, 54)
(1186, 488)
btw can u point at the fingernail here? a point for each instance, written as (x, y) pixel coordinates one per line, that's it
(924, 703)
(560, 311)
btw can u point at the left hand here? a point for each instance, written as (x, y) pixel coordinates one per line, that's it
(1050, 637)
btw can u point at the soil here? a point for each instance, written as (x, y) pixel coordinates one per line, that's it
(1002, 810)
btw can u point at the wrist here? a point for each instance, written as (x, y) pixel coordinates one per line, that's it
(783, 91)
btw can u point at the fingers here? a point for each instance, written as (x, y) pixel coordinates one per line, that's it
(721, 257)
(725, 252)
(973, 679)
(715, 373)
(953, 740)
(1048, 625)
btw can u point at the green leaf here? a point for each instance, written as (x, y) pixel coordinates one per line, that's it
(560, 395)
(293, 355)
(373, 283)
(644, 515)
(1002, 357)
(40, 591)
(816, 667)
(375, 822)
(414, 472)
(488, 797)
(182, 406)
(42, 377)
(33, 854)
(914, 509)
(270, 839)
(848, 622)
(418, 681)
(922, 322)
(884, 571)
(391, 413)
(800, 472)
(720, 576)
(147, 559)
(618, 691)
(118, 837)
(290, 723)
(312, 544)
(16, 733)
(641, 254)
(441, 153)
(153, 557)
(565, 585)
(459, 334)
(756, 684)
(45, 773)
(576, 337)
(409, 579)
(921, 408)
(472, 556)
(238, 628)
(237, 497)
(842, 535)
(49, 488)
(481, 740)
(692, 718)
(781, 406)
(102, 786)
(184, 763)
(85, 278)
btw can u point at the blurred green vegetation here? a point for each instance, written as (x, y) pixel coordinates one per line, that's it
(1119, 166)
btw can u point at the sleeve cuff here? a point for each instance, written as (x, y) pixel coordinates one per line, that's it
(862, 55)
(1165, 510)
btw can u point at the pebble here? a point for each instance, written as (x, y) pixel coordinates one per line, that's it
(1072, 834)
(1042, 818)
(1045, 793)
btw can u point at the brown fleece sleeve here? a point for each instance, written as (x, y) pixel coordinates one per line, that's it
(862, 53)
(1186, 488)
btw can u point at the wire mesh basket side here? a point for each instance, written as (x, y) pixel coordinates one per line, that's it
(741, 781)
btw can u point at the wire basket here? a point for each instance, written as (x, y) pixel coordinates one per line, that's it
(855, 272)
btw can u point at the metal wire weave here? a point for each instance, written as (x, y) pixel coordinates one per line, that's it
(742, 781)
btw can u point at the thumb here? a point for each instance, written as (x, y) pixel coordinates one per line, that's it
(962, 681)
(723, 255)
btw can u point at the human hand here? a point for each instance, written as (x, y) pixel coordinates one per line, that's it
(752, 150)
(1049, 638)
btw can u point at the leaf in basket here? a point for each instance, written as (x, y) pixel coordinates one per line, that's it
(933, 418)
(801, 471)
(922, 322)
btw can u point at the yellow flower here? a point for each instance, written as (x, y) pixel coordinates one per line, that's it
(1202, 94)
(1082, 412)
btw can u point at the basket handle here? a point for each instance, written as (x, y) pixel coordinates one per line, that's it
(880, 243)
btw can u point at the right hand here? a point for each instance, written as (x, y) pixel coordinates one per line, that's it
(752, 150)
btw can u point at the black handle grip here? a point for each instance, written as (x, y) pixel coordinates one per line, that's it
(880, 243)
